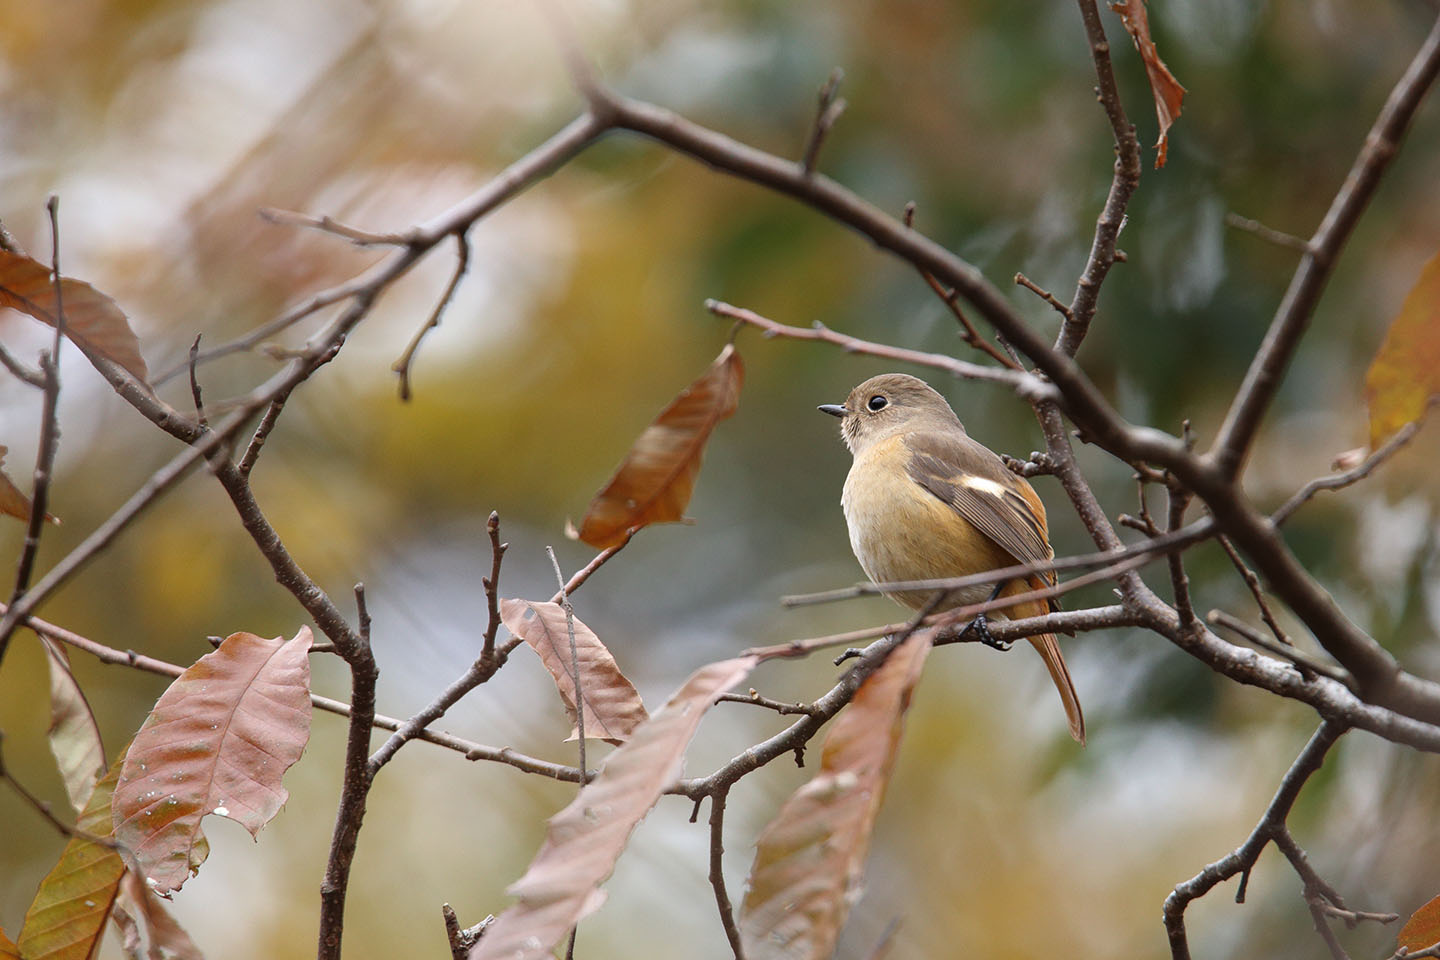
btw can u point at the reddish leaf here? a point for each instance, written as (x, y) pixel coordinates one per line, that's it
(584, 840)
(8, 948)
(218, 741)
(809, 860)
(1164, 87)
(67, 918)
(613, 708)
(654, 483)
(1404, 377)
(12, 500)
(167, 938)
(1423, 928)
(91, 318)
(74, 735)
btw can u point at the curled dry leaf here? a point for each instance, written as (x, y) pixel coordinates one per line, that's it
(809, 860)
(583, 841)
(1423, 928)
(92, 319)
(74, 735)
(1404, 377)
(613, 708)
(654, 483)
(1164, 87)
(67, 917)
(167, 938)
(218, 741)
(12, 500)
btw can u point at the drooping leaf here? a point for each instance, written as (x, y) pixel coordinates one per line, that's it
(12, 500)
(1164, 87)
(74, 734)
(167, 938)
(1405, 375)
(92, 319)
(654, 483)
(809, 860)
(613, 708)
(218, 741)
(583, 841)
(1423, 928)
(67, 917)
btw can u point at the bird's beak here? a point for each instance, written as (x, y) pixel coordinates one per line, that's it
(834, 409)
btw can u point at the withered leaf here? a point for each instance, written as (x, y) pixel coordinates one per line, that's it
(167, 938)
(92, 319)
(217, 741)
(613, 708)
(12, 500)
(67, 917)
(74, 735)
(1164, 87)
(1423, 928)
(654, 483)
(1404, 377)
(583, 841)
(810, 858)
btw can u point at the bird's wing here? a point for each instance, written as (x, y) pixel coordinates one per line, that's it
(974, 481)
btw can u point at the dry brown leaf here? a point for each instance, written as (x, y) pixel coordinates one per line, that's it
(809, 860)
(67, 917)
(1164, 87)
(613, 708)
(1404, 377)
(1423, 928)
(583, 841)
(654, 483)
(218, 741)
(12, 500)
(167, 938)
(92, 319)
(74, 735)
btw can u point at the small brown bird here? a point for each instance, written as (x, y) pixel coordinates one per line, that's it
(924, 501)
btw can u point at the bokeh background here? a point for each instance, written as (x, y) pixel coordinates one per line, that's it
(165, 124)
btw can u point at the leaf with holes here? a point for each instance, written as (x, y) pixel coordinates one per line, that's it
(1164, 87)
(809, 860)
(583, 841)
(74, 735)
(92, 319)
(613, 708)
(67, 917)
(1404, 377)
(654, 483)
(1423, 928)
(218, 741)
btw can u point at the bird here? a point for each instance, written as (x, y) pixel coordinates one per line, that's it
(924, 501)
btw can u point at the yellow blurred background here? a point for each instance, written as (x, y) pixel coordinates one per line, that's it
(164, 125)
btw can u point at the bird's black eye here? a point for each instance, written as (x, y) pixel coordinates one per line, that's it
(877, 403)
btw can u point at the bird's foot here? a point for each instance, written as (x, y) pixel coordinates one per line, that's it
(981, 629)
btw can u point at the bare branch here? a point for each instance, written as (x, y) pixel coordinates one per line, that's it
(462, 264)
(717, 872)
(827, 112)
(361, 238)
(492, 586)
(1293, 315)
(1277, 237)
(1345, 478)
(1303, 663)
(1253, 582)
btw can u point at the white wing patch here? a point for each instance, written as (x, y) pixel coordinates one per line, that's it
(983, 485)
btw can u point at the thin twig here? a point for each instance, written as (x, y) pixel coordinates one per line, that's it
(43, 808)
(1253, 582)
(827, 111)
(36, 378)
(1179, 579)
(1345, 478)
(327, 224)
(951, 299)
(1305, 664)
(492, 585)
(200, 417)
(596, 563)
(462, 264)
(717, 871)
(261, 434)
(779, 706)
(1278, 237)
(1043, 294)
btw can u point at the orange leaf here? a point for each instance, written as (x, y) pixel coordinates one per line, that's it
(67, 917)
(218, 741)
(1423, 928)
(1405, 374)
(809, 860)
(583, 841)
(1164, 87)
(8, 950)
(92, 319)
(654, 483)
(74, 735)
(613, 708)
(12, 500)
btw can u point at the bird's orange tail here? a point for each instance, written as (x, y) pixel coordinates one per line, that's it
(1055, 663)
